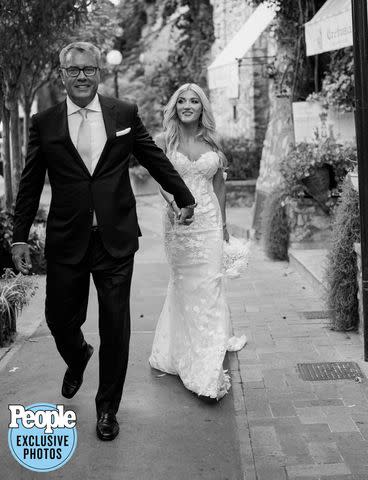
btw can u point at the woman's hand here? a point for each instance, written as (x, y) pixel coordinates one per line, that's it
(173, 212)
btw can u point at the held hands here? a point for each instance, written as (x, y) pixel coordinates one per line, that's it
(22, 258)
(185, 216)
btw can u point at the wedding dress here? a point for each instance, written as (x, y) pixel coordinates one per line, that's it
(193, 332)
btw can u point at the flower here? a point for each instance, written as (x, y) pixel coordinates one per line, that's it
(235, 256)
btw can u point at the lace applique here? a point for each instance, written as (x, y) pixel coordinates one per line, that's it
(193, 331)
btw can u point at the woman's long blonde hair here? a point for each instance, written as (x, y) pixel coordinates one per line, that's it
(207, 127)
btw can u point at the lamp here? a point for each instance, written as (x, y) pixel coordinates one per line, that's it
(114, 58)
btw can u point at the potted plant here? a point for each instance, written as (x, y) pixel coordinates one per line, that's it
(317, 169)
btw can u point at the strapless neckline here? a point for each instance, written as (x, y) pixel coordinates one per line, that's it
(200, 156)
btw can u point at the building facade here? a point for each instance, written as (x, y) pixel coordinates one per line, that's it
(245, 113)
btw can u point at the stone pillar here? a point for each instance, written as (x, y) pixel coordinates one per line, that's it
(279, 138)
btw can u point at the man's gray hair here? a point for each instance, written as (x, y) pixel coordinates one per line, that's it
(80, 47)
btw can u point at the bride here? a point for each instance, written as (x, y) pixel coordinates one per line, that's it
(193, 332)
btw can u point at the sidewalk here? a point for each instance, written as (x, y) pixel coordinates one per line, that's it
(297, 429)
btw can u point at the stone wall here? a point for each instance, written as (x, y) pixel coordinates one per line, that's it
(240, 122)
(228, 17)
(308, 222)
(240, 193)
(246, 115)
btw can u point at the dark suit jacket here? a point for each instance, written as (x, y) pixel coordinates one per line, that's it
(76, 193)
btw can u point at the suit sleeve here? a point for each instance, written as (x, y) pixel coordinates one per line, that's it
(158, 165)
(30, 186)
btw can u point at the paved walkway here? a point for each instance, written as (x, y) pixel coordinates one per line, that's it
(298, 429)
(166, 432)
(287, 428)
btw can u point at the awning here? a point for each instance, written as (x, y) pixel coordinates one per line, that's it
(224, 71)
(330, 28)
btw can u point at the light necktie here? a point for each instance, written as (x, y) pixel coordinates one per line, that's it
(84, 146)
(84, 140)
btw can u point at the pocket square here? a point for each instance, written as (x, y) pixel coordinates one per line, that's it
(123, 132)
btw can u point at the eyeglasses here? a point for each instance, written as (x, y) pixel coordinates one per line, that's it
(75, 71)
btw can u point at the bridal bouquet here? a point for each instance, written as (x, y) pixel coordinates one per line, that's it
(236, 254)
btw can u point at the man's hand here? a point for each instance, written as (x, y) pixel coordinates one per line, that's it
(22, 258)
(186, 215)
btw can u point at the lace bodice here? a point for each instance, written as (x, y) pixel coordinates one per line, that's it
(198, 176)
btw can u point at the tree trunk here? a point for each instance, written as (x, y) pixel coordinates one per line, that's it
(6, 161)
(27, 117)
(15, 145)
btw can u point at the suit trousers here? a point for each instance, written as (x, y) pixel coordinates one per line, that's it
(67, 290)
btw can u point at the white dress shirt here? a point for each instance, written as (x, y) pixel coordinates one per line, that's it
(95, 118)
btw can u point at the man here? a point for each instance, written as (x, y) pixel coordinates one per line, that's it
(85, 144)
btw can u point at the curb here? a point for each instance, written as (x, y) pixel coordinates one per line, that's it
(28, 321)
(241, 418)
(306, 272)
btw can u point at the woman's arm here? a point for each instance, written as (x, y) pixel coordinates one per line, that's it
(219, 188)
(168, 197)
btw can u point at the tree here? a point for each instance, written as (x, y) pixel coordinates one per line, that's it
(154, 79)
(6, 151)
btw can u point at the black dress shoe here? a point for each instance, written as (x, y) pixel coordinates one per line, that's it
(73, 381)
(107, 427)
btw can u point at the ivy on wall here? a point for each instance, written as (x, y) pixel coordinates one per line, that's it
(295, 74)
(187, 58)
(187, 61)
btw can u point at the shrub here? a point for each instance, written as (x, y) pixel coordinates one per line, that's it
(15, 292)
(36, 241)
(338, 84)
(275, 225)
(243, 157)
(341, 268)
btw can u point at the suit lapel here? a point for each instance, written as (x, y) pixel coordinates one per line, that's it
(109, 117)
